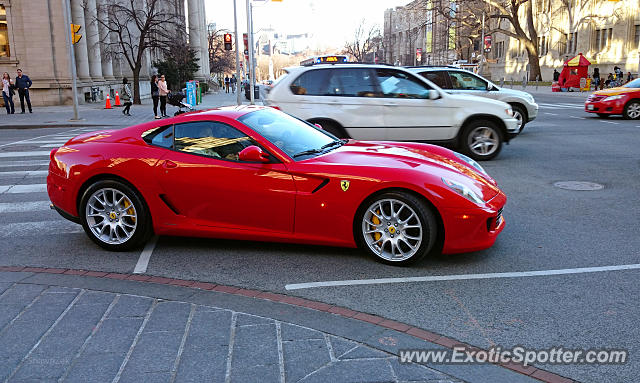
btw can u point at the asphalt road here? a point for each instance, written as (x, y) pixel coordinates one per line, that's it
(547, 228)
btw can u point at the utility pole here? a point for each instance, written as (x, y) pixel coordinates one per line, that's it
(239, 78)
(72, 61)
(482, 59)
(252, 69)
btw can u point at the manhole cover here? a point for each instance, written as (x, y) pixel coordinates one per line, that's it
(578, 185)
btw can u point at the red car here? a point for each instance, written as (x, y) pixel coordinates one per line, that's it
(624, 100)
(259, 174)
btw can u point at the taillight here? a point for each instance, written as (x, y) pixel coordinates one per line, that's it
(53, 153)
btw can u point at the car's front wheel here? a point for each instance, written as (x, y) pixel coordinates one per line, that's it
(520, 114)
(396, 228)
(114, 216)
(632, 110)
(481, 140)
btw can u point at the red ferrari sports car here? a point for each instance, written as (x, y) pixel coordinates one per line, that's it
(624, 100)
(256, 173)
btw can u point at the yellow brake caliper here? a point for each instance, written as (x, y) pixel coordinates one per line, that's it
(130, 211)
(376, 221)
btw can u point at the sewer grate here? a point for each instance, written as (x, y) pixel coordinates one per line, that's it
(578, 185)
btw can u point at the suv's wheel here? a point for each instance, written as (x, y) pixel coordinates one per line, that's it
(481, 140)
(395, 228)
(519, 114)
(114, 216)
(333, 128)
(632, 110)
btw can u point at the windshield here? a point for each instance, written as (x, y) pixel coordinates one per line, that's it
(298, 139)
(633, 84)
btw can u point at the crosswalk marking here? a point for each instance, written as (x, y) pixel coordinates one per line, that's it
(23, 207)
(24, 173)
(38, 228)
(23, 163)
(25, 154)
(561, 106)
(16, 189)
(51, 145)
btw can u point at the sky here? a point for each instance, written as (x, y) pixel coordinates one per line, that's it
(332, 22)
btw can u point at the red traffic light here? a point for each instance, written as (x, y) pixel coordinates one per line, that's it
(227, 37)
(227, 42)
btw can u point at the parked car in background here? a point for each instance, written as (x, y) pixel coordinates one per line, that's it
(460, 81)
(624, 100)
(381, 102)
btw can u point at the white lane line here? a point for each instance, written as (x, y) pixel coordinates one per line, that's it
(35, 138)
(550, 114)
(14, 189)
(39, 228)
(580, 118)
(22, 207)
(143, 261)
(23, 163)
(610, 122)
(52, 145)
(25, 154)
(24, 173)
(459, 277)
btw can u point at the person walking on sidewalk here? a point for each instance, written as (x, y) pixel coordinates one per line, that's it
(556, 75)
(126, 96)
(596, 78)
(234, 82)
(226, 84)
(23, 83)
(155, 94)
(7, 93)
(163, 91)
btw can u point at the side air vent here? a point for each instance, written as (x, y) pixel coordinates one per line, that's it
(164, 199)
(322, 184)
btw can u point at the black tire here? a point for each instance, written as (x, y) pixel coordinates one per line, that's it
(470, 130)
(631, 110)
(424, 214)
(523, 113)
(143, 226)
(603, 115)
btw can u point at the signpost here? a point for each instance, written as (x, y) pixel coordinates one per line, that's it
(191, 93)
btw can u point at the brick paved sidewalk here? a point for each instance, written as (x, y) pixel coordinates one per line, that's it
(77, 328)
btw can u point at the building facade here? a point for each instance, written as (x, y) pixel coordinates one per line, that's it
(33, 38)
(606, 32)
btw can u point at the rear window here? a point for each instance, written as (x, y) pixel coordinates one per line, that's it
(162, 136)
(311, 83)
(439, 78)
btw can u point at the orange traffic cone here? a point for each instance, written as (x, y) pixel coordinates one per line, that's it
(108, 104)
(117, 100)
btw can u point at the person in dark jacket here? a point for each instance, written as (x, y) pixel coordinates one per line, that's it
(23, 83)
(556, 75)
(155, 94)
(596, 77)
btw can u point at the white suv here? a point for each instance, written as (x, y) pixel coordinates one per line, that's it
(380, 102)
(460, 81)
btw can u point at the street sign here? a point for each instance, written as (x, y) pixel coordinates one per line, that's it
(487, 43)
(419, 54)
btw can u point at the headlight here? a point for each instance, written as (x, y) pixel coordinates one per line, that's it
(463, 190)
(471, 162)
(612, 98)
(509, 112)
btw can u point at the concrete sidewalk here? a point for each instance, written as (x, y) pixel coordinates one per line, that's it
(80, 326)
(96, 115)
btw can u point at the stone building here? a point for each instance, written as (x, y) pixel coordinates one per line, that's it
(33, 38)
(606, 32)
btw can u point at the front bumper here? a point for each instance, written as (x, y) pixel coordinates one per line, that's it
(512, 125)
(469, 230)
(605, 107)
(532, 111)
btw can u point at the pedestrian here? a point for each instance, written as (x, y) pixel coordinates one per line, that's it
(126, 96)
(155, 94)
(629, 77)
(7, 93)
(596, 78)
(609, 81)
(556, 75)
(163, 91)
(23, 83)
(234, 82)
(227, 81)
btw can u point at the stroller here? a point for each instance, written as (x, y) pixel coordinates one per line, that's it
(175, 99)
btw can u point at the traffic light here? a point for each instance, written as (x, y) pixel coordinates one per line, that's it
(75, 37)
(227, 42)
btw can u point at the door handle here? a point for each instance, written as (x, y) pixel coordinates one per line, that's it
(169, 164)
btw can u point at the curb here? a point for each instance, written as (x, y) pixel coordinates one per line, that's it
(530, 371)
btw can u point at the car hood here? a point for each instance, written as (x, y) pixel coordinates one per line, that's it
(614, 91)
(514, 93)
(464, 99)
(433, 160)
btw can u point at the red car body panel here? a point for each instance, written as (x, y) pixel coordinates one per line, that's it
(287, 201)
(596, 101)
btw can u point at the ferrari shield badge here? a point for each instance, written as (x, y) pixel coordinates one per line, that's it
(344, 184)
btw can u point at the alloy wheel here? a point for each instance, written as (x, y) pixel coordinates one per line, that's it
(483, 141)
(111, 216)
(633, 110)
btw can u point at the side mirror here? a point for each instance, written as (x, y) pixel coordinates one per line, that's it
(253, 154)
(319, 126)
(433, 94)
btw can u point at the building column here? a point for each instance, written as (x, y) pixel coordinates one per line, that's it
(93, 40)
(103, 34)
(195, 31)
(204, 44)
(80, 49)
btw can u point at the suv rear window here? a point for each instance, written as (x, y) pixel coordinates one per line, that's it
(437, 77)
(311, 83)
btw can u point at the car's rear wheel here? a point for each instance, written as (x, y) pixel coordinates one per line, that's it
(632, 110)
(396, 228)
(114, 216)
(481, 140)
(519, 114)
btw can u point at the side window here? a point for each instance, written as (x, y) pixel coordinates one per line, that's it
(439, 78)
(466, 81)
(352, 82)
(211, 139)
(397, 84)
(162, 136)
(311, 83)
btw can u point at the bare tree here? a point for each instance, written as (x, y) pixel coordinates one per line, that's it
(220, 60)
(133, 28)
(364, 41)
